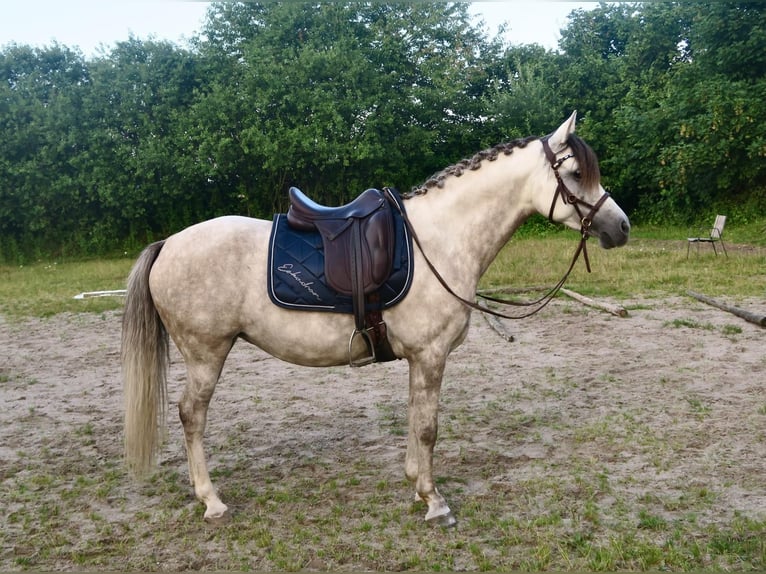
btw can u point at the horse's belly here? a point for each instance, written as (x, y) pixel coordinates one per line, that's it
(310, 339)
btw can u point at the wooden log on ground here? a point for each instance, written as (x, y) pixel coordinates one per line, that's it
(742, 313)
(111, 293)
(603, 305)
(496, 324)
(511, 290)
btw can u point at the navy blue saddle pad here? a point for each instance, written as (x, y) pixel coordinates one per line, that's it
(296, 270)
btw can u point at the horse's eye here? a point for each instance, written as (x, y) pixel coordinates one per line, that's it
(578, 175)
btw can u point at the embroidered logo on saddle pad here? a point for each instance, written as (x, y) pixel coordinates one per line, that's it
(296, 273)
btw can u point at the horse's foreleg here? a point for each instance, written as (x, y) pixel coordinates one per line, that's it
(425, 384)
(192, 410)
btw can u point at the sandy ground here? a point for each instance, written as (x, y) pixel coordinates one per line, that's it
(670, 399)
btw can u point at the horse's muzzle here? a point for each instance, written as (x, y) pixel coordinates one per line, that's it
(616, 235)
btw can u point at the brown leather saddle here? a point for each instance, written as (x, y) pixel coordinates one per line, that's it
(358, 242)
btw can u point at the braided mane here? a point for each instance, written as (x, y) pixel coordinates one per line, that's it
(584, 155)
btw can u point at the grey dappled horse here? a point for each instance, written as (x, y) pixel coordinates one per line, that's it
(206, 287)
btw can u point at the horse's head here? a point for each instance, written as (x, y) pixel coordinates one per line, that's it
(573, 194)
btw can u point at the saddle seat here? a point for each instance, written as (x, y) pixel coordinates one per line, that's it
(304, 212)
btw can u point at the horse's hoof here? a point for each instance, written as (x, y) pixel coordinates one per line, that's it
(218, 518)
(447, 520)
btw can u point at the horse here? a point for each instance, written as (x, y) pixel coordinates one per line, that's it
(205, 288)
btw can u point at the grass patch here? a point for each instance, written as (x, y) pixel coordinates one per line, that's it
(652, 264)
(46, 288)
(690, 324)
(731, 330)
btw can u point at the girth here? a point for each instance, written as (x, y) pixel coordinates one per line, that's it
(358, 242)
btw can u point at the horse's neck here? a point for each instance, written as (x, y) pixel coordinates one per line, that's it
(465, 224)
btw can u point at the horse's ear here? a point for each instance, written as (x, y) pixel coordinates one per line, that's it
(558, 139)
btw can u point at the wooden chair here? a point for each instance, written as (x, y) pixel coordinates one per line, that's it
(714, 236)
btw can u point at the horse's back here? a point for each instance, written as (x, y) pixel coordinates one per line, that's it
(221, 246)
(201, 273)
(220, 231)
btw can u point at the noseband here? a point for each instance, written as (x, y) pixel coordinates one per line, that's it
(571, 199)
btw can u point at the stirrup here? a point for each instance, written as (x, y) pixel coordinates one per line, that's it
(370, 346)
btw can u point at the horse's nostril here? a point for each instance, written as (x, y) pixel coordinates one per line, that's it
(625, 226)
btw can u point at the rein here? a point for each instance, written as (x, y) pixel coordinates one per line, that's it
(585, 223)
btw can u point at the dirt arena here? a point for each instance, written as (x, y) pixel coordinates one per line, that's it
(668, 404)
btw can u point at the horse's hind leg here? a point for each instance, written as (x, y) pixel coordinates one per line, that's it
(202, 376)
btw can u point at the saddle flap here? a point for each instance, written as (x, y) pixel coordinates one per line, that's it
(376, 250)
(331, 229)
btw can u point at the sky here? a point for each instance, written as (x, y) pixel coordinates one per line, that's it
(92, 25)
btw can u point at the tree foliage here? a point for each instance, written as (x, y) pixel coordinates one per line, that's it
(111, 152)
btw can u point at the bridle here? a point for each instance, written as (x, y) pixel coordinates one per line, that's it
(568, 198)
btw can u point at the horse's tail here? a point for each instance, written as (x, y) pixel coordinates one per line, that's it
(144, 356)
